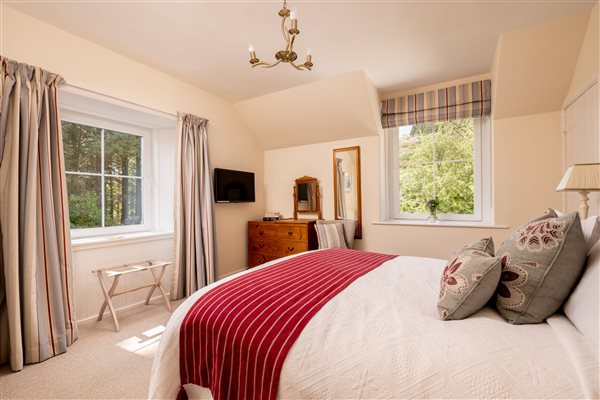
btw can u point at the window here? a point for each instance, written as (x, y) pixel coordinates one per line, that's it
(447, 161)
(105, 169)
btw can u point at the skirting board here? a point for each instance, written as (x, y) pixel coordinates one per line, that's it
(160, 302)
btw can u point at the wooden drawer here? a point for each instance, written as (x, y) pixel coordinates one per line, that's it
(269, 241)
(280, 248)
(255, 259)
(277, 231)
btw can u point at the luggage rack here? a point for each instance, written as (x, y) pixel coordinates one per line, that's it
(157, 268)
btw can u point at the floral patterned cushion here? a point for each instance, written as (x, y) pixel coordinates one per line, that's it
(485, 244)
(541, 262)
(469, 280)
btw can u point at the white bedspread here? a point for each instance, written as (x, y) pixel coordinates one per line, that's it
(381, 338)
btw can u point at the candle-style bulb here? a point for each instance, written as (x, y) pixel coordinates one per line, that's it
(309, 52)
(294, 13)
(251, 48)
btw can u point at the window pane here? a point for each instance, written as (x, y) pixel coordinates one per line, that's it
(81, 147)
(122, 154)
(454, 140)
(415, 144)
(455, 187)
(84, 195)
(123, 201)
(416, 187)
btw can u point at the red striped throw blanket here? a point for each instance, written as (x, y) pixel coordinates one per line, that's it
(235, 338)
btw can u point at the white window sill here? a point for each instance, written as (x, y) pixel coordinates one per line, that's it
(95, 242)
(442, 224)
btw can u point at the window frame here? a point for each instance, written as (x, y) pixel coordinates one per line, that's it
(482, 179)
(71, 114)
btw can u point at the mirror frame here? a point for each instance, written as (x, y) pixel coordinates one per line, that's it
(358, 233)
(305, 180)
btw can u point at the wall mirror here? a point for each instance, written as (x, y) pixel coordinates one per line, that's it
(306, 196)
(346, 183)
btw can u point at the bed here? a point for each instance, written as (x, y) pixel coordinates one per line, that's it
(381, 338)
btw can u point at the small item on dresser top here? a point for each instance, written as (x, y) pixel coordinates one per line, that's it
(271, 216)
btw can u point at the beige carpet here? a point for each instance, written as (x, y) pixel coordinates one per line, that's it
(101, 364)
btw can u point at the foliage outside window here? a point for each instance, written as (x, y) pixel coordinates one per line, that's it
(104, 176)
(436, 162)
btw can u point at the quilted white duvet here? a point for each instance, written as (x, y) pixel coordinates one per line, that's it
(381, 338)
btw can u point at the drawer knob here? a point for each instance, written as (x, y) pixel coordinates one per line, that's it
(290, 248)
(261, 232)
(261, 246)
(290, 233)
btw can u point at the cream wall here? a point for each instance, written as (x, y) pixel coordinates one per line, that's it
(533, 66)
(587, 68)
(587, 71)
(525, 174)
(526, 143)
(85, 64)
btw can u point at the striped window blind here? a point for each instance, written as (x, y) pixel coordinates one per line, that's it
(455, 102)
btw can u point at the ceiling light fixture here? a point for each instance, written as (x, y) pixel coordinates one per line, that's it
(288, 55)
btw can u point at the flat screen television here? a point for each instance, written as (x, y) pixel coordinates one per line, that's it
(233, 186)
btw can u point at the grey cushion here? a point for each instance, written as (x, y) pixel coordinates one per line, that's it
(541, 262)
(349, 227)
(469, 280)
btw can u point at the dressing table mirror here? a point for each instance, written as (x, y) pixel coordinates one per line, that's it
(306, 196)
(346, 183)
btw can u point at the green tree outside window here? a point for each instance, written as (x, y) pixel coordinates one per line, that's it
(85, 147)
(436, 162)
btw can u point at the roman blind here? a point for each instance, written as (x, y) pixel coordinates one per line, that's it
(455, 102)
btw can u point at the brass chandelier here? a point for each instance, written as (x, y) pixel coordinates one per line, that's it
(288, 55)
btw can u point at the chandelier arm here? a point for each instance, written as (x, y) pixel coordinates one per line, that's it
(291, 42)
(265, 64)
(299, 67)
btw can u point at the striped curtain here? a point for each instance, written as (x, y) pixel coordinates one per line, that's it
(195, 259)
(37, 316)
(456, 102)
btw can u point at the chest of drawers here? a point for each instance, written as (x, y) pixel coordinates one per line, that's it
(270, 240)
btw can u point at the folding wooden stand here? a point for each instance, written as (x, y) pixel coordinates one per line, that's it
(118, 271)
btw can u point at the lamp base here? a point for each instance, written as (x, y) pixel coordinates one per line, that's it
(583, 204)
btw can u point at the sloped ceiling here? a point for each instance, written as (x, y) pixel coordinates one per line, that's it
(399, 44)
(533, 66)
(343, 107)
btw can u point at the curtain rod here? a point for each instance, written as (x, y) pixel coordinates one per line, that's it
(69, 85)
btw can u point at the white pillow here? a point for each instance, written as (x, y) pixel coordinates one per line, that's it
(582, 308)
(591, 232)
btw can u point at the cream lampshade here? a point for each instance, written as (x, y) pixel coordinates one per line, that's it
(582, 178)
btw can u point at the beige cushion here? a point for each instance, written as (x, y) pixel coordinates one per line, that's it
(469, 280)
(541, 262)
(331, 236)
(349, 226)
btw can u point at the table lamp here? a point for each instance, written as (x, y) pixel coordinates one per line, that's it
(582, 178)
